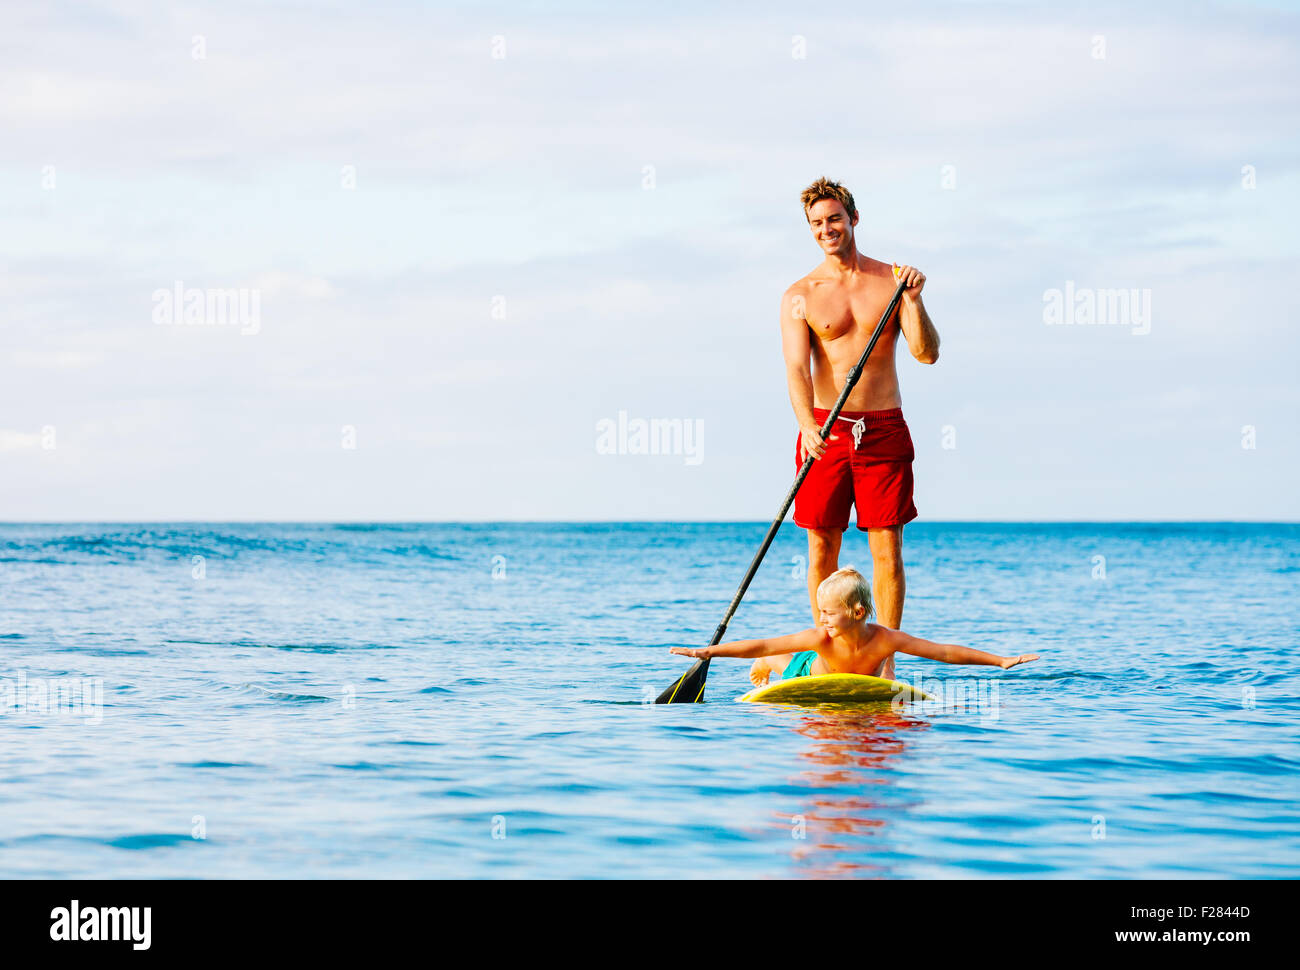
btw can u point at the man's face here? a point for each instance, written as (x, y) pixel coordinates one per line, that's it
(830, 225)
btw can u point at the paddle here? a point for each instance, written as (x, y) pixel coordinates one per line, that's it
(689, 688)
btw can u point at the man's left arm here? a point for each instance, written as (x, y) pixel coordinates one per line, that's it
(918, 328)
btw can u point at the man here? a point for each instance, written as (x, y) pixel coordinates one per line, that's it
(826, 319)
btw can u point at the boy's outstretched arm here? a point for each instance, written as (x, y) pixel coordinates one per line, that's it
(803, 640)
(953, 653)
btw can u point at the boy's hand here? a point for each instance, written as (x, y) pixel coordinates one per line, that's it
(1024, 658)
(698, 652)
(759, 672)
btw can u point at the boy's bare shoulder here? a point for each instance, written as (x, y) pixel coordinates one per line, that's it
(883, 635)
(818, 637)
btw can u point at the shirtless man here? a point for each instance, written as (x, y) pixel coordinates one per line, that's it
(827, 318)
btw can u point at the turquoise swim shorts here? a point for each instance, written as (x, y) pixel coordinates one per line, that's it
(800, 665)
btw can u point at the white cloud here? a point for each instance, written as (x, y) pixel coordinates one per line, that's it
(522, 179)
(19, 440)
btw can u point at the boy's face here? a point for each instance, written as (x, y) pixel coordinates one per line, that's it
(836, 616)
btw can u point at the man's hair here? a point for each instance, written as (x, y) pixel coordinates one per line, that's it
(824, 188)
(849, 587)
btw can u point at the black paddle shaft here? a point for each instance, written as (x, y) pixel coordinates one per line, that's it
(690, 686)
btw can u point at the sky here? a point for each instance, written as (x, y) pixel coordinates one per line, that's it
(469, 237)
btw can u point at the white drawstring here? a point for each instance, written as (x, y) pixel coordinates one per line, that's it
(859, 426)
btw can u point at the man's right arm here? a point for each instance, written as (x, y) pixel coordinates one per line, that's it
(798, 373)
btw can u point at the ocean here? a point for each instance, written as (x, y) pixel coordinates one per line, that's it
(472, 700)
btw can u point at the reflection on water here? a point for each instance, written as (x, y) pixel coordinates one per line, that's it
(847, 769)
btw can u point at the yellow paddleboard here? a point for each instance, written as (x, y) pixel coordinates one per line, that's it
(834, 689)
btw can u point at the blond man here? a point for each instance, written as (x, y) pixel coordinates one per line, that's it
(826, 320)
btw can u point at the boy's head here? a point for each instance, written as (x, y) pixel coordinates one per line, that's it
(843, 597)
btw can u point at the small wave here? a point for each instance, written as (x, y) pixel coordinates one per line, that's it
(151, 840)
(281, 695)
(1023, 674)
(304, 647)
(421, 552)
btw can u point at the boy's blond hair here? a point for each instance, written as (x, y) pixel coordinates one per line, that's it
(848, 586)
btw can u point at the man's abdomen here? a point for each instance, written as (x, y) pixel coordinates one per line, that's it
(877, 388)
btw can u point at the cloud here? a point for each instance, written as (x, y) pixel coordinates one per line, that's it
(19, 440)
(500, 275)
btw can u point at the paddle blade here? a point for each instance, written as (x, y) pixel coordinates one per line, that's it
(689, 688)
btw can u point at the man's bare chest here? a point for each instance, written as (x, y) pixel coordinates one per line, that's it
(833, 312)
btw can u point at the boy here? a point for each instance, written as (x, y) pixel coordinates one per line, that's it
(844, 642)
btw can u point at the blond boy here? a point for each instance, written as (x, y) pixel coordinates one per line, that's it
(843, 642)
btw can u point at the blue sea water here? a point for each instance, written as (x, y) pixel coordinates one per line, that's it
(435, 700)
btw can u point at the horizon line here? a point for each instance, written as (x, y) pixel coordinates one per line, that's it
(5, 522)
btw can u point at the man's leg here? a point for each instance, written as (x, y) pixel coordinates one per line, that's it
(888, 583)
(823, 559)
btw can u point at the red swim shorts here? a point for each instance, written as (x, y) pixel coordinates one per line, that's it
(868, 465)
